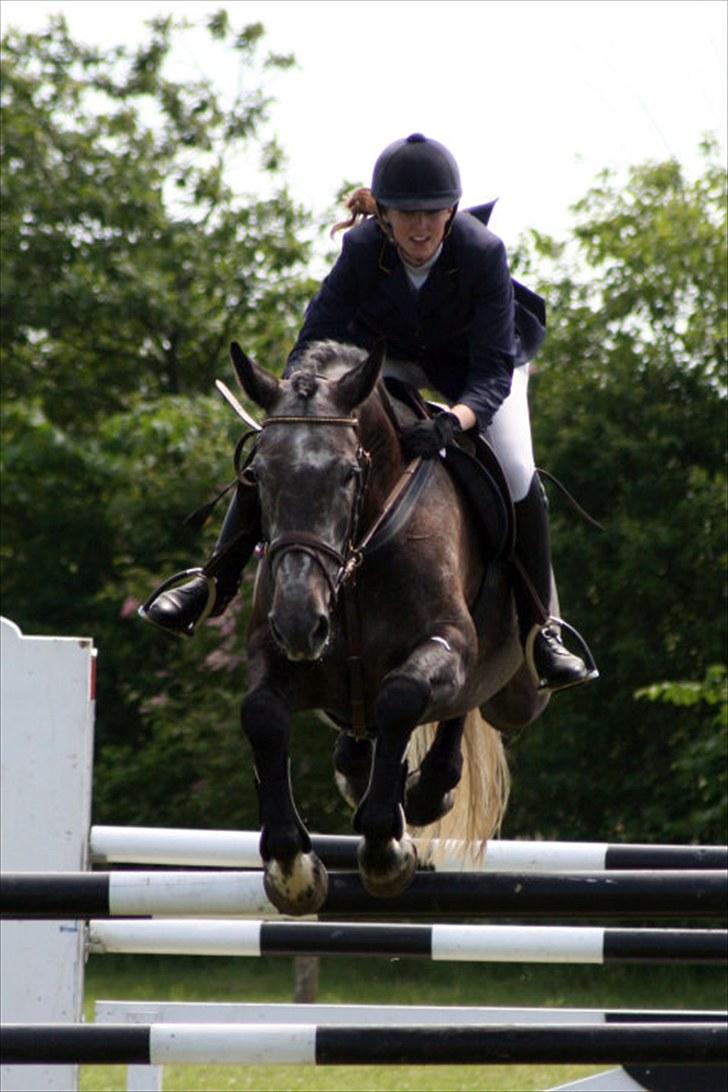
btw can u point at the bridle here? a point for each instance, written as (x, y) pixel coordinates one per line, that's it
(348, 559)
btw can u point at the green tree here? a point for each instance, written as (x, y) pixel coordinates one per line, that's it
(700, 769)
(144, 220)
(131, 254)
(629, 406)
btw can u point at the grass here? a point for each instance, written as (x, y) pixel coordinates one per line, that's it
(386, 981)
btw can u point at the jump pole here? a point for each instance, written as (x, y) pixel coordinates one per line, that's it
(577, 895)
(248, 1012)
(149, 1078)
(311, 1044)
(183, 848)
(438, 943)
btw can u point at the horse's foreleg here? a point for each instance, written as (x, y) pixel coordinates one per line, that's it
(431, 676)
(387, 856)
(295, 879)
(431, 788)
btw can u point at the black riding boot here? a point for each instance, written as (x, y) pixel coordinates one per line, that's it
(553, 666)
(179, 610)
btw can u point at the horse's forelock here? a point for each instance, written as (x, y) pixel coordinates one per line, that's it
(305, 382)
(331, 358)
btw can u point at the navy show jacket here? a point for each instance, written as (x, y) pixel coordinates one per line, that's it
(467, 327)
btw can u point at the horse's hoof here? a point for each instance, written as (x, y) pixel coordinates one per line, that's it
(298, 886)
(422, 808)
(387, 869)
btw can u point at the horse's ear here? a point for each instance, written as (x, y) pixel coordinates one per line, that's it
(258, 384)
(354, 387)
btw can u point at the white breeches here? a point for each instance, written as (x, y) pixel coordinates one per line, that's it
(509, 433)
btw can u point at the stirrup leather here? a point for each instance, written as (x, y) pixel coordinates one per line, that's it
(171, 582)
(584, 652)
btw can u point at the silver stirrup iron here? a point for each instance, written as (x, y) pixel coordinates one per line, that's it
(583, 648)
(179, 578)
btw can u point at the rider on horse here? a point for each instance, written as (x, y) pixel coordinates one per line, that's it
(435, 284)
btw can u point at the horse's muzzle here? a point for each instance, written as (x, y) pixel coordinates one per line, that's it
(300, 635)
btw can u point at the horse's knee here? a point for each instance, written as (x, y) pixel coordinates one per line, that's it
(430, 789)
(401, 702)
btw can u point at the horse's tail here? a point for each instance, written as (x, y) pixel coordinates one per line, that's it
(481, 797)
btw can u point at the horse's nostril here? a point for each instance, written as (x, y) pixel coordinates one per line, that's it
(321, 629)
(277, 635)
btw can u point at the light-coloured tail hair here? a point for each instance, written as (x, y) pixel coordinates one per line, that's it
(481, 798)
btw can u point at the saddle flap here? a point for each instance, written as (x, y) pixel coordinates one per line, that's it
(481, 479)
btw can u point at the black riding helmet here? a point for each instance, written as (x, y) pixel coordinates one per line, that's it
(416, 173)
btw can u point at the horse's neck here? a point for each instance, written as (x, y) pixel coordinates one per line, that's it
(382, 443)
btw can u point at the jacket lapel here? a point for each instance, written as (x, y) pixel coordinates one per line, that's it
(437, 289)
(395, 283)
(440, 284)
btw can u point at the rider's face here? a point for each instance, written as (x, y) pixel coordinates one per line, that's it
(417, 234)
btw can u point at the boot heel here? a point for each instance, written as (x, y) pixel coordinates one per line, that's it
(583, 668)
(146, 610)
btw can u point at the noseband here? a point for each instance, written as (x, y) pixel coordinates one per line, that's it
(303, 541)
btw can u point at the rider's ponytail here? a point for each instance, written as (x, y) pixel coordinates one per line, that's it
(360, 204)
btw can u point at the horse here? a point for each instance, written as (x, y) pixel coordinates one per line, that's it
(361, 610)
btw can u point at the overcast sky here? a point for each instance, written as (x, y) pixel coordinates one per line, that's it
(533, 98)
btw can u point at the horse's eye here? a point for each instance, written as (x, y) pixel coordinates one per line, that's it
(249, 475)
(350, 472)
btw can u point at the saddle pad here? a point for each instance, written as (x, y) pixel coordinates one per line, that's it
(481, 479)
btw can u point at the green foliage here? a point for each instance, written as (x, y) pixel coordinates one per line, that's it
(145, 223)
(629, 411)
(134, 246)
(700, 770)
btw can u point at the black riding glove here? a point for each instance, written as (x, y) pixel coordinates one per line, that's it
(427, 438)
